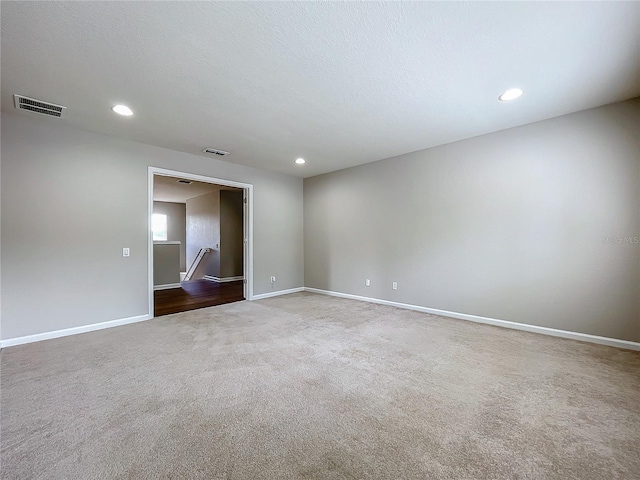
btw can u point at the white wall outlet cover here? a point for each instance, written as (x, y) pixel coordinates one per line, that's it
(273, 279)
(125, 252)
(367, 283)
(394, 285)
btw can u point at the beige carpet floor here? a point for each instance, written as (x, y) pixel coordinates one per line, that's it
(312, 387)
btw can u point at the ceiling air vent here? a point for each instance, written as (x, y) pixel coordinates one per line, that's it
(215, 151)
(38, 106)
(186, 182)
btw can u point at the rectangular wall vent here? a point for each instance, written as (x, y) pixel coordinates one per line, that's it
(38, 106)
(215, 151)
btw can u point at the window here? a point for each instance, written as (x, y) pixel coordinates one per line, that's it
(159, 226)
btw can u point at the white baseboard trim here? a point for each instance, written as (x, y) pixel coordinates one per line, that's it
(278, 293)
(223, 279)
(10, 342)
(583, 337)
(166, 286)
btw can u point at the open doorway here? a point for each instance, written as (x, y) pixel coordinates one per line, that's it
(200, 241)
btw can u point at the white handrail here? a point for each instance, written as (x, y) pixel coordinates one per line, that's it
(196, 261)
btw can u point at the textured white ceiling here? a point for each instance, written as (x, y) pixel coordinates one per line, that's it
(339, 84)
(167, 189)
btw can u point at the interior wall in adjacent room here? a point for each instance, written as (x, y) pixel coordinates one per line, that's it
(231, 233)
(176, 226)
(203, 231)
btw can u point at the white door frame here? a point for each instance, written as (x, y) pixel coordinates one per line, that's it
(248, 222)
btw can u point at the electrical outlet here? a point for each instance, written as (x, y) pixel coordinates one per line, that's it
(394, 285)
(125, 252)
(367, 283)
(273, 279)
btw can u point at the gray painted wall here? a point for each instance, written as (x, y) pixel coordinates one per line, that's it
(520, 225)
(166, 264)
(72, 199)
(176, 226)
(203, 231)
(231, 234)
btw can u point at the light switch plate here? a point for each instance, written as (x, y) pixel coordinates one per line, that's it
(125, 252)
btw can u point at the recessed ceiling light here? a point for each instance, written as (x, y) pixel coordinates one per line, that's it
(122, 110)
(300, 161)
(510, 94)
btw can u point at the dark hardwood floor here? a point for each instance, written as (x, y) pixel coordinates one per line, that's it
(196, 294)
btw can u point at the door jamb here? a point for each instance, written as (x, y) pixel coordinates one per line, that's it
(248, 221)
